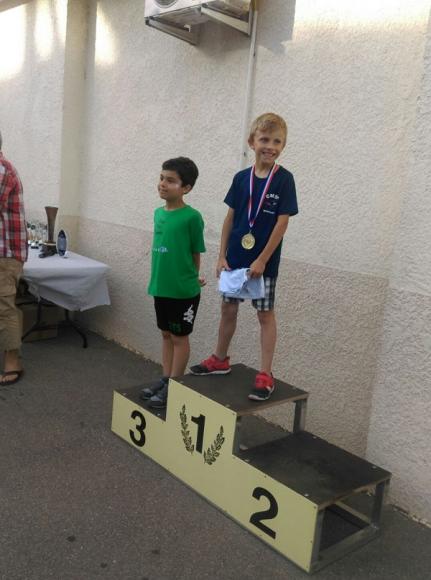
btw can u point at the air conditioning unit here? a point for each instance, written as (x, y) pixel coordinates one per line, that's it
(182, 18)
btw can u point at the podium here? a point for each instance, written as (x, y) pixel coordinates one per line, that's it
(306, 498)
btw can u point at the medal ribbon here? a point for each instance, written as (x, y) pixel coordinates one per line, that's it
(264, 192)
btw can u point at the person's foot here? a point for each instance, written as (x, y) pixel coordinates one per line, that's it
(159, 400)
(263, 387)
(151, 390)
(12, 368)
(212, 366)
(10, 377)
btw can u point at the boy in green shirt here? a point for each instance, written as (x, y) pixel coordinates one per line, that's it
(175, 283)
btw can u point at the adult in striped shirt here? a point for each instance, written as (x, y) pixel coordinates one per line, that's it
(13, 254)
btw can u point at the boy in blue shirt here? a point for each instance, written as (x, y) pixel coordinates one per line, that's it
(175, 283)
(261, 199)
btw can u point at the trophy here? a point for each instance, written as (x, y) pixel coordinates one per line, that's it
(49, 245)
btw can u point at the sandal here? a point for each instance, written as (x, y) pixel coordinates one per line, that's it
(10, 381)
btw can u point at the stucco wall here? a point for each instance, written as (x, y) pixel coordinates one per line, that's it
(347, 81)
(32, 38)
(400, 430)
(347, 77)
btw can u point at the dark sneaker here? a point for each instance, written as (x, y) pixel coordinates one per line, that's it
(159, 400)
(212, 366)
(263, 387)
(150, 390)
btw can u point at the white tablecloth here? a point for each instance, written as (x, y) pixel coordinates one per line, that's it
(75, 282)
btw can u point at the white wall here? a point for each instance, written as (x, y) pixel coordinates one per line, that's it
(400, 431)
(347, 81)
(32, 37)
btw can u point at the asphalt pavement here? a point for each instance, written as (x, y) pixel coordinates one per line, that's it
(79, 503)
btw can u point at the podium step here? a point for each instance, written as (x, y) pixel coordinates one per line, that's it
(314, 468)
(232, 390)
(132, 394)
(287, 488)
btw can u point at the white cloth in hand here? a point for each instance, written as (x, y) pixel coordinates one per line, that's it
(238, 284)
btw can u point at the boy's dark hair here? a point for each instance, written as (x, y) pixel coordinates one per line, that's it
(185, 167)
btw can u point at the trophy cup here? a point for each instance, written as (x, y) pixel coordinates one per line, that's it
(49, 246)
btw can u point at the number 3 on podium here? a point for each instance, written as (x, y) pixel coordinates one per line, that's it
(138, 435)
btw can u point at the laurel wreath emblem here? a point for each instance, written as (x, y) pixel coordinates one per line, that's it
(211, 454)
(185, 431)
(213, 451)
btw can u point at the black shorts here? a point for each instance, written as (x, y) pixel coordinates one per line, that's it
(176, 315)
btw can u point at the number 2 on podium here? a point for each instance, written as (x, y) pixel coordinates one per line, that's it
(269, 514)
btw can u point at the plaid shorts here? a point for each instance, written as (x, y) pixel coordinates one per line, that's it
(261, 304)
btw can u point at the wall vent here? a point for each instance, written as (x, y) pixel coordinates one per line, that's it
(182, 18)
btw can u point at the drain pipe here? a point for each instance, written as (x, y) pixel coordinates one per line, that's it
(248, 95)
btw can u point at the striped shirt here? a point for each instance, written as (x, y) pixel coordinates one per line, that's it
(13, 230)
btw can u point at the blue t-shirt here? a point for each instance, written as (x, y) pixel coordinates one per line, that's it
(280, 199)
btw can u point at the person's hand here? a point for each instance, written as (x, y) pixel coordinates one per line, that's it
(257, 268)
(221, 265)
(202, 281)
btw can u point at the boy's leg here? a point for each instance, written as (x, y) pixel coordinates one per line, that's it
(181, 352)
(185, 319)
(167, 353)
(181, 317)
(218, 363)
(227, 327)
(268, 339)
(264, 384)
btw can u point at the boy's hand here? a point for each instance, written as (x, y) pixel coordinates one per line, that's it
(221, 265)
(202, 281)
(257, 268)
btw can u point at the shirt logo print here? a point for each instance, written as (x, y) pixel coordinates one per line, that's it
(189, 315)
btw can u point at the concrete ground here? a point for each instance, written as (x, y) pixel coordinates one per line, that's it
(78, 503)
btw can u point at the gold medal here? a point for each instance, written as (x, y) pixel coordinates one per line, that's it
(248, 241)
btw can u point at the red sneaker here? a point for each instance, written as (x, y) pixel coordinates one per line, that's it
(263, 387)
(212, 366)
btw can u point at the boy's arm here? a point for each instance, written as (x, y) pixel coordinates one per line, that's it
(197, 262)
(225, 233)
(258, 266)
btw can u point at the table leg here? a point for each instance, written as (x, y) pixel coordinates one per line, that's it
(73, 324)
(39, 325)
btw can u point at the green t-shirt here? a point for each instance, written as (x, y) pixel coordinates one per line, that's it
(178, 234)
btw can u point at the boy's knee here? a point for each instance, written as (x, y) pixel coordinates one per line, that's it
(229, 308)
(265, 316)
(179, 339)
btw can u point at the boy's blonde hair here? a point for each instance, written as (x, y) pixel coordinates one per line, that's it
(268, 122)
